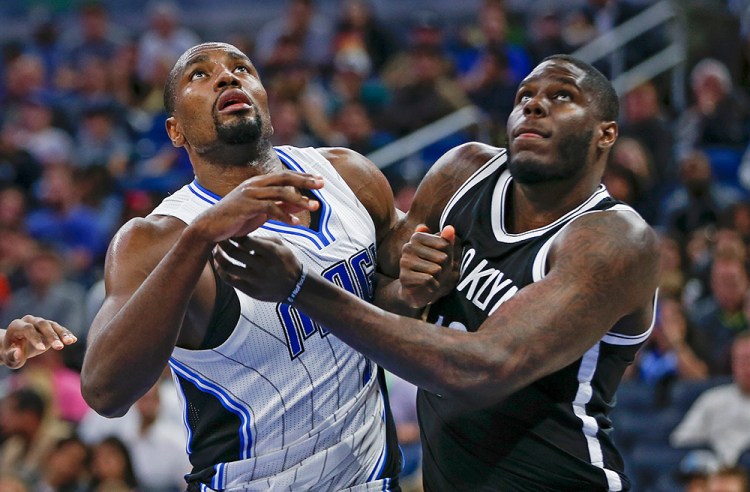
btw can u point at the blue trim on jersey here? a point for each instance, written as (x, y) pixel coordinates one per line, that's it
(188, 447)
(377, 472)
(205, 191)
(245, 432)
(319, 239)
(325, 234)
(217, 481)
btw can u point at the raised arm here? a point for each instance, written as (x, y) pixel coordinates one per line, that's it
(603, 272)
(160, 291)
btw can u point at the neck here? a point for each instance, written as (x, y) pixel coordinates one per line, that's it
(538, 205)
(222, 175)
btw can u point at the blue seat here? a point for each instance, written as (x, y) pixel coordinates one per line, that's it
(684, 393)
(651, 464)
(725, 162)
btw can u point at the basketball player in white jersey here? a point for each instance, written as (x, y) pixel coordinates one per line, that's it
(520, 358)
(30, 336)
(272, 401)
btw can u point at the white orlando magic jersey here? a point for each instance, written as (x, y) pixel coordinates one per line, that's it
(281, 404)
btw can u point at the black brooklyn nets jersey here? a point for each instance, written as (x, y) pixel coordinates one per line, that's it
(553, 434)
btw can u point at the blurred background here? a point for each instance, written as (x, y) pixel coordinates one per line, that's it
(83, 149)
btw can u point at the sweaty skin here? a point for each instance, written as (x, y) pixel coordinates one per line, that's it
(160, 290)
(602, 269)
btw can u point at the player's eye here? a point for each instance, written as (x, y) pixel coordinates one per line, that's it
(197, 74)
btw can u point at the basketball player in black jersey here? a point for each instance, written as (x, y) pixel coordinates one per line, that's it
(30, 336)
(520, 357)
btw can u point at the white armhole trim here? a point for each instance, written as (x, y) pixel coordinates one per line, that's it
(479, 175)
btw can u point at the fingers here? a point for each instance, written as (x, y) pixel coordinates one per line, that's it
(449, 234)
(285, 187)
(32, 335)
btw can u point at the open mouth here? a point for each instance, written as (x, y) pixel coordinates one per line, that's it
(234, 100)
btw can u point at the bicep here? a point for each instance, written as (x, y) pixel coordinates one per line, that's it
(600, 271)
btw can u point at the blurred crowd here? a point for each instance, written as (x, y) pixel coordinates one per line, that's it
(83, 149)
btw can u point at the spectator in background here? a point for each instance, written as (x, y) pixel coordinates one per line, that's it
(699, 200)
(720, 317)
(430, 95)
(492, 19)
(493, 90)
(55, 374)
(302, 23)
(719, 114)
(93, 37)
(358, 32)
(351, 81)
(644, 119)
(10, 482)
(35, 133)
(631, 162)
(66, 467)
(112, 467)
(288, 125)
(75, 230)
(720, 417)
(695, 468)
(426, 28)
(25, 77)
(668, 355)
(101, 142)
(671, 266)
(164, 40)
(356, 130)
(728, 479)
(30, 433)
(545, 32)
(155, 439)
(48, 294)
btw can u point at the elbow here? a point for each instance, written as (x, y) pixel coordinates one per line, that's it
(102, 401)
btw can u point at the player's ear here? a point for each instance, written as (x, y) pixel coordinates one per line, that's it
(608, 132)
(175, 135)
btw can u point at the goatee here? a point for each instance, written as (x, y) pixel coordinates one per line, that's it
(572, 158)
(241, 132)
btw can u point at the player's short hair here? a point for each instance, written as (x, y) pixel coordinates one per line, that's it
(605, 96)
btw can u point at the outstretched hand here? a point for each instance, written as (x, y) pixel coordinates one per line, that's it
(256, 200)
(31, 336)
(429, 266)
(262, 268)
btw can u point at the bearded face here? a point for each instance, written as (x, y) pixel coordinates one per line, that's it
(572, 154)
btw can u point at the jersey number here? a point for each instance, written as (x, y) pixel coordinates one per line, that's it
(353, 275)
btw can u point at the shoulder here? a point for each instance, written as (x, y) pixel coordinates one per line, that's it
(367, 182)
(144, 240)
(446, 176)
(620, 231)
(614, 248)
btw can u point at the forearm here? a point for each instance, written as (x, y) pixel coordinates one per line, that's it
(127, 353)
(444, 361)
(388, 297)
